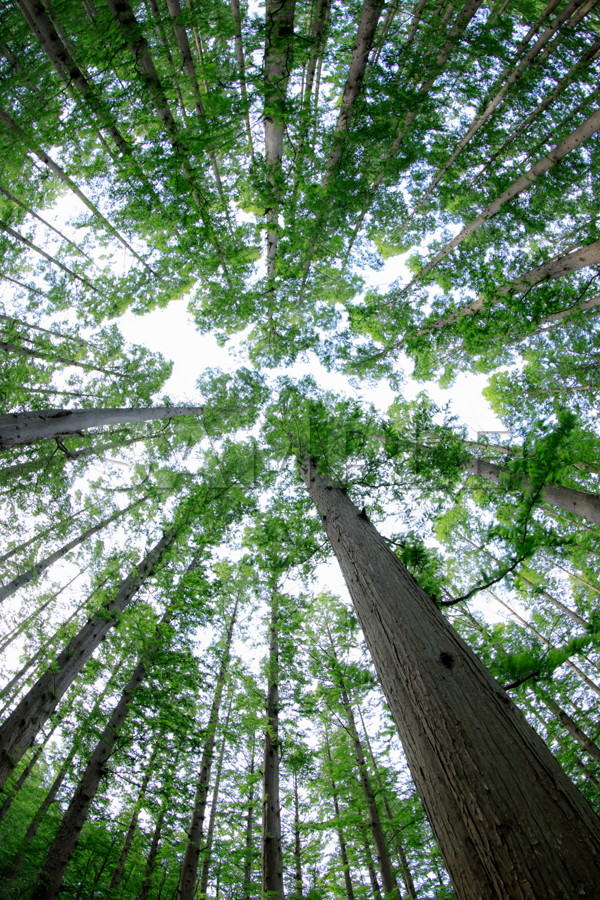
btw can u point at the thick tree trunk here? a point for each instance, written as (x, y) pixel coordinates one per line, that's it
(27, 427)
(582, 503)
(189, 868)
(508, 820)
(19, 729)
(272, 859)
(36, 570)
(16, 787)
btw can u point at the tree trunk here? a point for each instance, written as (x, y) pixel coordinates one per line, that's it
(27, 427)
(272, 860)
(49, 799)
(570, 143)
(66, 838)
(210, 831)
(189, 868)
(249, 841)
(342, 842)
(406, 873)
(582, 503)
(277, 67)
(388, 879)
(508, 820)
(19, 729)
(571, 726)
(16, 787)
(298, 891)
(36, 570)
(117, 874)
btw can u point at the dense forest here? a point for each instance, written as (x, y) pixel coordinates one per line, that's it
(273, 639)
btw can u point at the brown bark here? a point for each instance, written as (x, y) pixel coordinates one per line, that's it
(582, 503)
(40, 567)
(272, 860)
(508, 820)
(210, 831)
(27, 427)
(19, 729)
(189, 867)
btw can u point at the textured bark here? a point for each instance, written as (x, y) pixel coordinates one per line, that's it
(27, 427)
(508, 820)
(36, 570)
(589, 255)
(582, 503)
(19, 729)
(272, 860)
(189, 867)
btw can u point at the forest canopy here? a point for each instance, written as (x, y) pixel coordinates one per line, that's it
(195, 702)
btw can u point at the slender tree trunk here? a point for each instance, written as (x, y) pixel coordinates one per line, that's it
(388, 879)
(508, 820)
(210, 832)
(277, 67)
(272, 859)
(20, 629)
(117, 874)
(406, 873)
(339, 829)
(36, 570)
(189, 867)
(582, 503)
(20, 781)
(368, 862)
(66, 838)
(50, 798)
(570, 143)
(239, 53)
(249, 831)
(571, 726)
(298, 892)
(19, 729)
(27, 427)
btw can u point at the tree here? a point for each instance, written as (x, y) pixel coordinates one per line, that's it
(330, 186)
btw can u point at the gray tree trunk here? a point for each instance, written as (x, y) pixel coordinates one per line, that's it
(19, 729)
(508, 820)
(27, 427)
